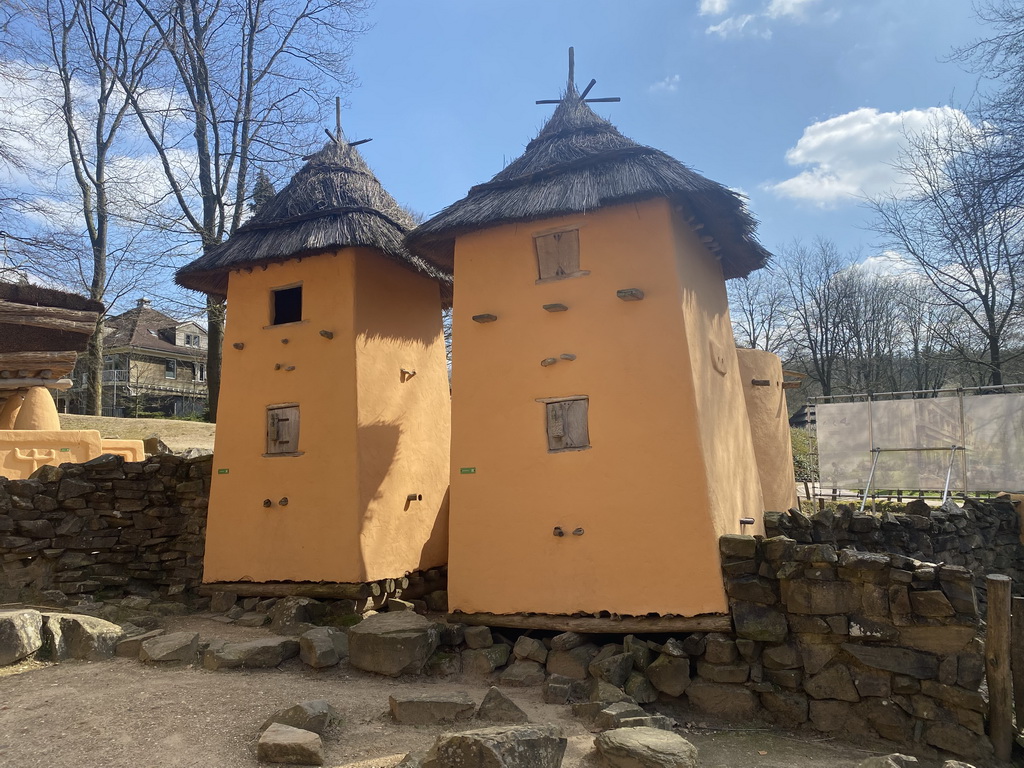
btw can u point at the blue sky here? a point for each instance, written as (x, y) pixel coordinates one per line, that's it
(798, 103)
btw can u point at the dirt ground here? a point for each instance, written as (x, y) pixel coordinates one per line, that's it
(124, 714)
(177, 434)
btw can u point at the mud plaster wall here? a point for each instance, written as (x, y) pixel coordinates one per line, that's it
(106, 526)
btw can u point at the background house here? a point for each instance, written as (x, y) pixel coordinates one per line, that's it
(153, 364)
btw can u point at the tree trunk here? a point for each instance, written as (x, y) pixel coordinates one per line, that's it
(215, 309)
(94, 372)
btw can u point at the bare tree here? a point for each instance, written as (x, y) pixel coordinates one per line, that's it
(247, 79)
(814, 281)
(68, 52)
(963, 227)
(758, 306)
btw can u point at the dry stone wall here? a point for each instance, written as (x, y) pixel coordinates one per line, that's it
(106, 527)
(855, 643)
(982, 535)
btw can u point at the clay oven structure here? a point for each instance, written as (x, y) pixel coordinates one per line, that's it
(600, 441)
(331, 456)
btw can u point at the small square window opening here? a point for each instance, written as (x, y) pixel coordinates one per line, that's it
(282, 430)
(171, 369)
(567, 424)
(287, 305)
(558, 254)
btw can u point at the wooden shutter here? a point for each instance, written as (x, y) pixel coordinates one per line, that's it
(283, 429)
(558, 254)
(567, 424)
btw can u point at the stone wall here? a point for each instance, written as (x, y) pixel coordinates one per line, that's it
(983, 535)
(855, 643)
(105, 527)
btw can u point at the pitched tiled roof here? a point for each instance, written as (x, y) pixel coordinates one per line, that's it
(140, 327)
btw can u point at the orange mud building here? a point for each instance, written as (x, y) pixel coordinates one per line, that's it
(331, 456)
(600, 438)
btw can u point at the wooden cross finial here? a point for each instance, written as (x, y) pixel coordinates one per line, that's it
(337, 135)
(571, 86)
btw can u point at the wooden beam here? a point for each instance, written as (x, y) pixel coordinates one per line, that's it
(48, 317)
(26, 383)
(997, 666)
(330, 591)
(625, 625)
(38, 361)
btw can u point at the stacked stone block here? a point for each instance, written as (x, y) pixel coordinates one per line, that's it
(982, 535)
(107, 526)
(855, 643)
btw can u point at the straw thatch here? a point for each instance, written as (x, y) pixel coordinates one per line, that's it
(580, 162)
(333, 201)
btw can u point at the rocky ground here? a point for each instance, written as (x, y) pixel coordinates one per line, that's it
(121, 713)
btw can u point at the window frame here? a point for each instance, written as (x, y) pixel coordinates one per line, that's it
(170, 368)
(269, 443)
(538, 260)
(273, 304)
(548, 402)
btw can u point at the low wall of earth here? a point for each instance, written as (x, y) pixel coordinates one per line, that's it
(106, 527)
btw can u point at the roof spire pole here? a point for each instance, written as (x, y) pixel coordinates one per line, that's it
(570, 87)
(337, 116)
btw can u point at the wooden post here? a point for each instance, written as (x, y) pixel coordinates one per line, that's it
(1017, 652)
(997, 666)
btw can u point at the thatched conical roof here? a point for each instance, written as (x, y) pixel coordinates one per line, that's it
(333, 201)
(580, 162)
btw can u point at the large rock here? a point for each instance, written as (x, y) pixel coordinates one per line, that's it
(285, 744)
(530, 649)
(614, 669)
(923, 666)
(130, 647)
(834, 682)
(20, 634)
(522, 673)
(316, 716)
(732, 702)
(266, 652)
(499, 708)
(645, 747)
(392, 643)
(759, 622)
(573, 662)
(177, 647)
(74, 636)
(431, 709)
(323, 647)
(670, 674)
(294, 615)
(482, 661)
(514, 746)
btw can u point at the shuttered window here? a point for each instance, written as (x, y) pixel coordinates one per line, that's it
(566, 422)
(558, 255)
(282, 430)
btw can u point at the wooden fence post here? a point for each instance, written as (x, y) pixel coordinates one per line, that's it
(997, 666)
(1017, 658)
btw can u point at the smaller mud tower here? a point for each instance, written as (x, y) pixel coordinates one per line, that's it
(331, 457)
(600, 442)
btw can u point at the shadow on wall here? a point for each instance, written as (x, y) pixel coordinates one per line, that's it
(395, 534)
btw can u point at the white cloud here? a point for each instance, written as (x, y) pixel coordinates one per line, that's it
(851, 156)
(713, 7)
(888, 263)
(755, 17)
(669, 84)
(737, 26)
(781, 8)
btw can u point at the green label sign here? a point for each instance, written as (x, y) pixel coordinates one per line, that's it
(223, 471)
(467, 471)
(65, 450)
